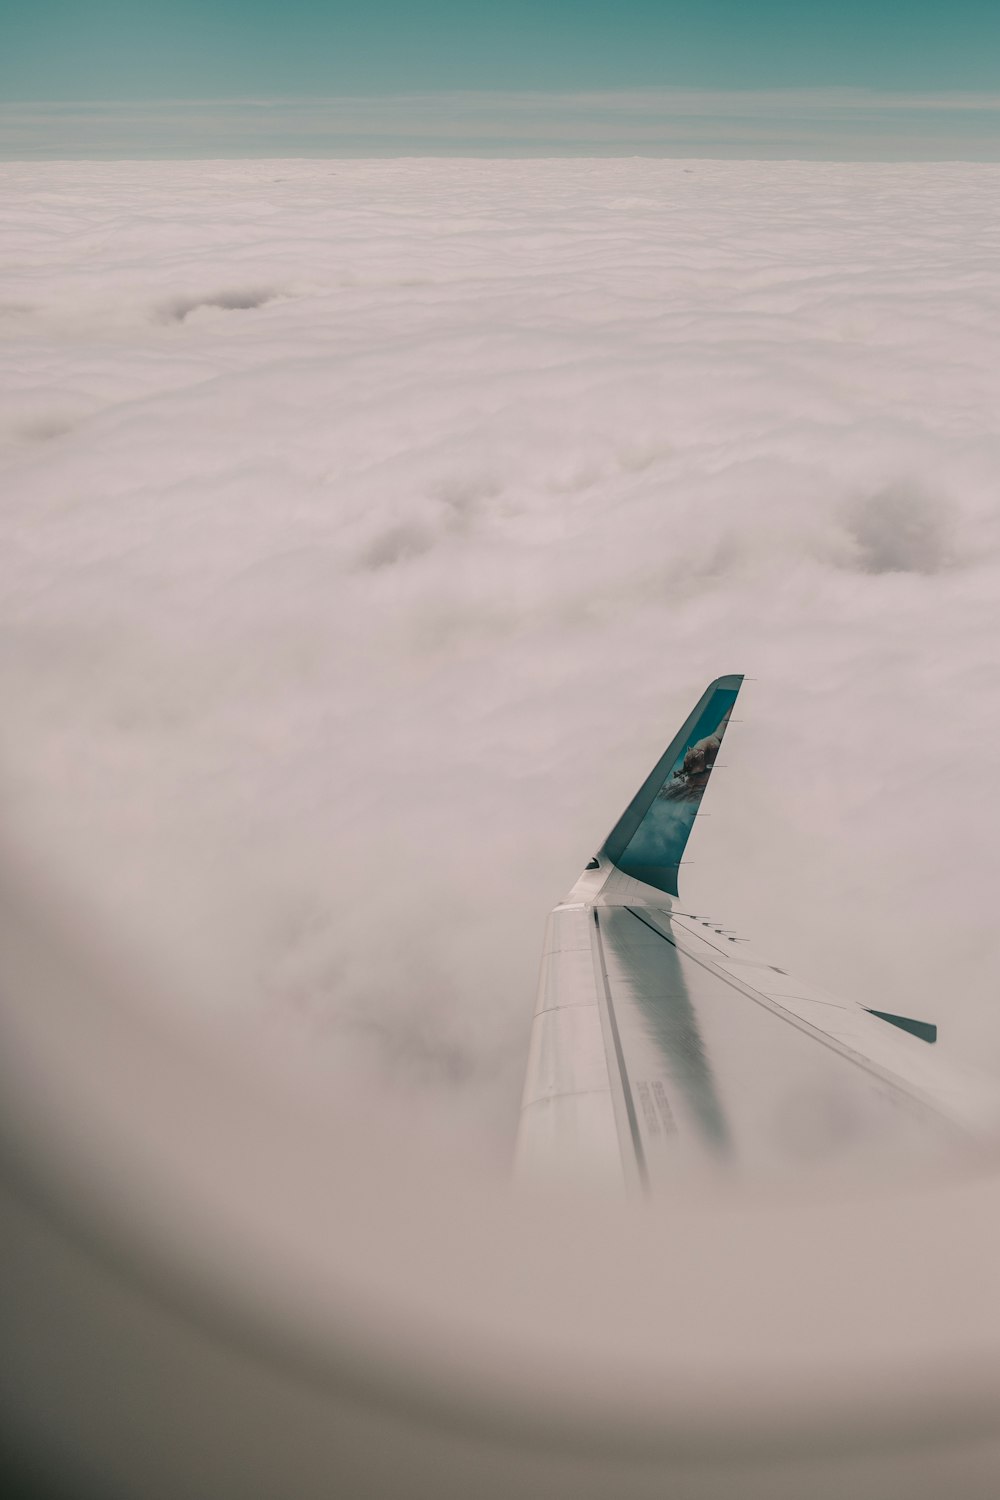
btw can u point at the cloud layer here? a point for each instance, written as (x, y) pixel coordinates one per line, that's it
(369, 527)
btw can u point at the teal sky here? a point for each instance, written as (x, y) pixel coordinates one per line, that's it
(146, 49)
(855, 79)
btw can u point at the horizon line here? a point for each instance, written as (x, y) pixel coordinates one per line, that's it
(828, 123)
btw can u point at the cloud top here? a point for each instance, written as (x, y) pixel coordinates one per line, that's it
(371, 527)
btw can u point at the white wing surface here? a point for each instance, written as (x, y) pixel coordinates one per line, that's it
(664, 1049)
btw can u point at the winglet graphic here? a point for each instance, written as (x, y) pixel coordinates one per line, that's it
(649, 838)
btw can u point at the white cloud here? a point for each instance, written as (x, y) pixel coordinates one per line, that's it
(370, 526)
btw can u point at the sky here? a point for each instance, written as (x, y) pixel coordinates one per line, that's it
(369, 528)
(141, 51)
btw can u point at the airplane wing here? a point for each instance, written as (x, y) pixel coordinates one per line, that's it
(664, 1049)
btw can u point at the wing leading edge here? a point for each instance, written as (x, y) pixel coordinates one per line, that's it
(663, 1051)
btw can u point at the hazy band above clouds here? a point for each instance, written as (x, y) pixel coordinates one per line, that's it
(823, 124)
